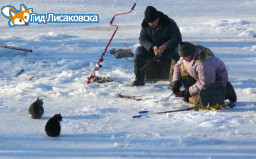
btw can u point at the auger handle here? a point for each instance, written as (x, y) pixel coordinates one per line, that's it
(122, 13)
(133, 6)
(112, 20)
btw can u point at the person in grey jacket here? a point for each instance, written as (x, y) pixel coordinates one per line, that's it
(196, 68)
(159, 38)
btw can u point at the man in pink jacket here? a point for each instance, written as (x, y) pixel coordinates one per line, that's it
(196, 68)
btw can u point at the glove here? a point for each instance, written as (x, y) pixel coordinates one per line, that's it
(176, 86)
(184, 93)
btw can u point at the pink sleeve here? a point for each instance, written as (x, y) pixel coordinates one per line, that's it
(177, 72)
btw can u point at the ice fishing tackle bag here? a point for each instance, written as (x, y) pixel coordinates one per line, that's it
(212, 94)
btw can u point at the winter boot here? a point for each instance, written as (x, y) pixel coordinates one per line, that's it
(139, 73)
(231, 94)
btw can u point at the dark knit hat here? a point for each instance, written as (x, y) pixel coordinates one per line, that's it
(151, 14)
(186, 49)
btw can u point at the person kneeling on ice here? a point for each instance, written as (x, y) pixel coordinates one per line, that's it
(159, 39)
(196, 69)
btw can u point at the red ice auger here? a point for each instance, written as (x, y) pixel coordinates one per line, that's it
(98, 66)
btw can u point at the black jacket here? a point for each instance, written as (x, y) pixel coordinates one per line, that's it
(167, 32)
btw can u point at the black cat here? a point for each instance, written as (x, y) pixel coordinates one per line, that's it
(52, 127)
(36, 109)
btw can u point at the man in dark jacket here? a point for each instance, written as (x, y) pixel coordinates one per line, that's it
(159, 38)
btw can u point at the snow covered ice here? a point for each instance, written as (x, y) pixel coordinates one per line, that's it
(98, 124)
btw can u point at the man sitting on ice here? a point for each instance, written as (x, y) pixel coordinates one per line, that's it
(159, 38)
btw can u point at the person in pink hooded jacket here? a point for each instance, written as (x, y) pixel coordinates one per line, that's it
(196, 68)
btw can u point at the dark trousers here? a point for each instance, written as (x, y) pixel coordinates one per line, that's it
(142, 54)
(143, 58)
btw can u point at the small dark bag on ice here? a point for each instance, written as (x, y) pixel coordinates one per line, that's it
(212, 94)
